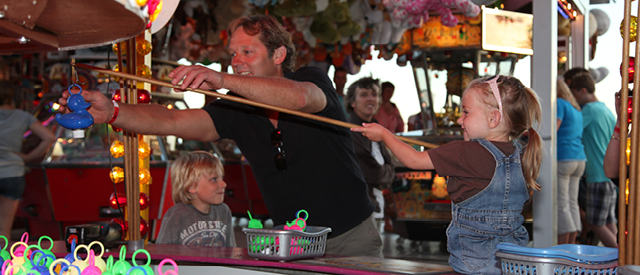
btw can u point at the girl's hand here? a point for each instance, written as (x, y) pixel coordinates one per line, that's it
(373, 131)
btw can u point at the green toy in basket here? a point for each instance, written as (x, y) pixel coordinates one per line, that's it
(254, 223)
(259, 242)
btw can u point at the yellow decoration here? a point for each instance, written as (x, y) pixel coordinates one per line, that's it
(145, 176)
(143, 149)
(117, 174)
(116, 46)
(117, 149)
(141, 3)
(439, 187)
(144, 71)
(633, 27)
(628, 151)
(156, 12)
(143, 47)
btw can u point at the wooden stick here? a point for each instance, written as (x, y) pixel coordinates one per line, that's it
(246, 101)
(133, 189)
(622, 203)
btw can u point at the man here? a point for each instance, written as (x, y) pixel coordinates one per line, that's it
(598, 125)
(298, 163)
(340, 79)
(388, 115)
(363, 98)
(568, 75)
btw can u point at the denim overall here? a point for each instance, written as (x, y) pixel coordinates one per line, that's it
(492, 216)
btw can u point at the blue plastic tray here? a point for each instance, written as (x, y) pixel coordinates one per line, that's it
(572, 252)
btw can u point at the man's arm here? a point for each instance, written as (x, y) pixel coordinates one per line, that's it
(150, 119)
(277, 91)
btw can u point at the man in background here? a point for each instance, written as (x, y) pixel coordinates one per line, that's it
(601, 194)
(340, 80)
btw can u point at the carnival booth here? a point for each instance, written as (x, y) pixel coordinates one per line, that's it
(96, 173)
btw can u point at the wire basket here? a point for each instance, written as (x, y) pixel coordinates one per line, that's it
(515, 264)
(285, 245)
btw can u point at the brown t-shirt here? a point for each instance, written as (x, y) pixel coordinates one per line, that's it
(469, 166)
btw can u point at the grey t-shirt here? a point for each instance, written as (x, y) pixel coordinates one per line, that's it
(13, 124)
(184, 224)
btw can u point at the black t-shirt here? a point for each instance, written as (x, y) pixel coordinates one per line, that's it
(322, 175)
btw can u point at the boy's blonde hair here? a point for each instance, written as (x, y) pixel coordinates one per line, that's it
(187, 170)
(521, 111)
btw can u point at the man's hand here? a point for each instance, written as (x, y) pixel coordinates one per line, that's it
(196, 77)
(101, 107)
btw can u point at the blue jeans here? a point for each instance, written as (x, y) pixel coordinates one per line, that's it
(12, 188)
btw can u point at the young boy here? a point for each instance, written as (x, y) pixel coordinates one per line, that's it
(199, 216)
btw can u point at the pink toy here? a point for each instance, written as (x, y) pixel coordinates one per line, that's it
(173, 271)
(299, 223)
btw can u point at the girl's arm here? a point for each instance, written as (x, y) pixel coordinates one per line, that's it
(405, 153)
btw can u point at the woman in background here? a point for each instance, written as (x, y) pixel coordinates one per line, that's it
(571, 164)
(13, 124)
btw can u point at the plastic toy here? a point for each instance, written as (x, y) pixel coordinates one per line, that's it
(65, 268)
(4, 254)
(38, 261)
(109, 263)
(254, 223)
(80, 118)
(299, 223)
(91, 268)
(17, 253)
(121, 266)
(69, 257)
(79, 262)
(173, 271)
(47, 251)
(145, 268)
(99, 262)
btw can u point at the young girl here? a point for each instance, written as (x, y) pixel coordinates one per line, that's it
(490, 173)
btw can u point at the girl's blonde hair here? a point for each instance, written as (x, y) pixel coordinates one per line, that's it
(565, 93)
(521, 110)
(187, 170)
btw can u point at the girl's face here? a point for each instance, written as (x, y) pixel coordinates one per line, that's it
(209, 190)
(475, 116)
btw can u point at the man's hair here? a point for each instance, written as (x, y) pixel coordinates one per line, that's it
(187, 170)
(7, 92)
(583, 80)
(362, 83)
(340, 69)
(564, 92)
(573, 72)
(387, 84)
(271, 34)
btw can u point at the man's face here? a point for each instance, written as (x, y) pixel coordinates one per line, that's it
(579, 95)
(387, 93)
(250, 57)
(366, 102)
(340, 79)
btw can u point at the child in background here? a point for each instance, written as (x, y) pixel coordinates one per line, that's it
(490, 173)
(199, 216)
